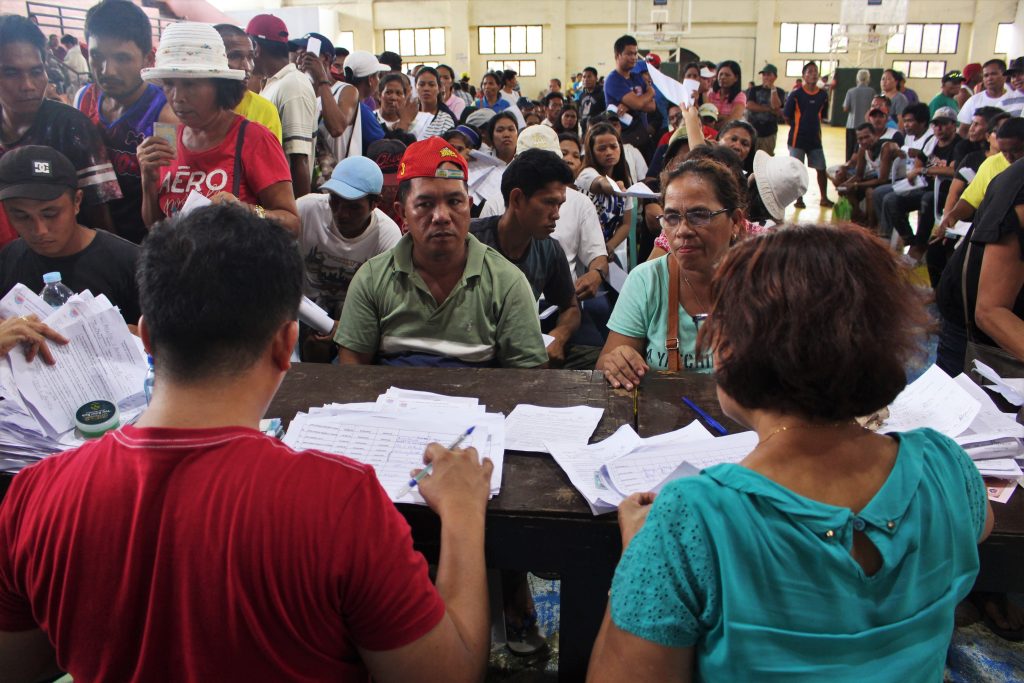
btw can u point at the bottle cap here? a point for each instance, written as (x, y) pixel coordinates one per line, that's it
(50, 278)
(96, 418)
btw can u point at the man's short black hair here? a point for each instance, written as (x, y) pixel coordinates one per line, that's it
(341, 52)
(121, 20)
(807, 66)
(226, 30)
(214, 287)
(509, 74)
(554, 96)
(987, 113)
(591, 70)
(623, 42)
(392, 59)
(532, 170)
(866, 126)
(271, 48)
(918, 111)
(1013, 127)
(15, 28)
(69, 40)
(998, 62)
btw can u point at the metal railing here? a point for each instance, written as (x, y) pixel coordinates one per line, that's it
(62, 20)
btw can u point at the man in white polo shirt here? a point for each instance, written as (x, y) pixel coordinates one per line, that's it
(995, 94)
(291, 92)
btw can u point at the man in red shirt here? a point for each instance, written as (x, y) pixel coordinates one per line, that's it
(191, 547)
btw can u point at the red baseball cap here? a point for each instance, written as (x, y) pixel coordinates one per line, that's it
(654, 59)
(971, 70)
(422, 160)
(268, 27)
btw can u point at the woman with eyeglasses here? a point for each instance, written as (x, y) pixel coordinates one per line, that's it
(703, 217)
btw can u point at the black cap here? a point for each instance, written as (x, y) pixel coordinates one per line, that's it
(953, 76)
(36, 172)
(387, 154)
(1016, 65)
(326, 46)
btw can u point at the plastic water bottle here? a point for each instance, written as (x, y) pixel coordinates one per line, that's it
(147, 384)
(55, 292)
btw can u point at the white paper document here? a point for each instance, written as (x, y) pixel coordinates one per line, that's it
(932, 400)
(530, 428)
(639, 190)
(1011, 389)
(959, 229)
(23, 301)
(674, 91)
(100, 361)
(649, 467)
(616, 276)
(625, 119)
(194, 201)
(394, 443)
(989, 419)
(583, 463)
(314, 316)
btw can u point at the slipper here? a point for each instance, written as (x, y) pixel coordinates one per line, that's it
(826, 203)
(525, 640)
(800, 203)
(980, 599)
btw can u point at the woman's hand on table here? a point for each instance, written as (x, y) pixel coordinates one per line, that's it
(623, 366)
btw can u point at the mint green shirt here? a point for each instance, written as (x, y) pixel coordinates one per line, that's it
(642, 312)
(760, 580)
(490, 317)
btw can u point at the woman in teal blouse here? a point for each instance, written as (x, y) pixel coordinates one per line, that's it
(831, 553)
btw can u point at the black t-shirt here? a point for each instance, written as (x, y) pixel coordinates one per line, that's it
(967, 167)
(764, 122)
(544, 264)
(995, 218)
(942, 157)
(106, 266)
(590, 104)
(965, 147)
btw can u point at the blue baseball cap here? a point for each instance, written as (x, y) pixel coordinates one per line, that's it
(354, 178)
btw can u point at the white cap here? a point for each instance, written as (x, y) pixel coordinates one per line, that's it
(364, 64)
(706, 72)
(538, 137)
(780, 181)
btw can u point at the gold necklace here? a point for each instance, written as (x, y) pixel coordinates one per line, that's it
(786, 428)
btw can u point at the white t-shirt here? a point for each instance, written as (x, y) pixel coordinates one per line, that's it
(332, 260)
(577, 229)
(292, 93)
(636, 163)
(1010, 101)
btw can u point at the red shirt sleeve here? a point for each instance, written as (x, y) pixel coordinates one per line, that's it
(263, 159)
(15, 610)
(387, 598)
(7, 232)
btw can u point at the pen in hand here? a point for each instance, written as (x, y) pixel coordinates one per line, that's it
(430, 467)
(707, 418)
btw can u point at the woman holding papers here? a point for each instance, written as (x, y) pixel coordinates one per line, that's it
(605, 164)
(215, 152)
(655, 321)
(830, 552)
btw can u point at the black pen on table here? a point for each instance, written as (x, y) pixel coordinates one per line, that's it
(707, 418)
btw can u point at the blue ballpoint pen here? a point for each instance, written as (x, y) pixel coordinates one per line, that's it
(707, 418)
(430, 466)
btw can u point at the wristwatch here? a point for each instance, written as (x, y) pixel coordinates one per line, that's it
(259, 211)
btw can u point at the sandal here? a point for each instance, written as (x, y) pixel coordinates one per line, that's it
(525, 640)
(800, 203)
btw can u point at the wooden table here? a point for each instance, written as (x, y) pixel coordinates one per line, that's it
(539, 522)
(662, 410)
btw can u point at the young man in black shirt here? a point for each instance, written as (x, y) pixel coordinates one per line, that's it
(534, 187)
(764, 102)
(39, 191)
(590, 98)
(939, 169)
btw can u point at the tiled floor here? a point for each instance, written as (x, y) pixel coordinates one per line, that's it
(834, 143)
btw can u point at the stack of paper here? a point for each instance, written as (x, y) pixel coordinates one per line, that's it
(102, 360)
(392, 433)
(1012, 389)
(606, 473)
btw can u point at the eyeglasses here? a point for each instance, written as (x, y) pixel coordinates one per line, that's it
(696, 218)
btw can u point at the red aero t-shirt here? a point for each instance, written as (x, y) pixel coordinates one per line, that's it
(213, 170)
(209, 555)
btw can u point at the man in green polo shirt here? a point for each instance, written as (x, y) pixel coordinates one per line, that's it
(439, 297)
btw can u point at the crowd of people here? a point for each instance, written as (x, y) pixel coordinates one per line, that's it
(445, 224)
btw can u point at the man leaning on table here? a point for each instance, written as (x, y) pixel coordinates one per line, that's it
(439, 298)
(191, 547)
